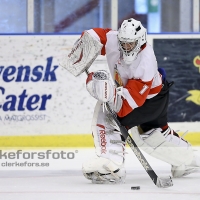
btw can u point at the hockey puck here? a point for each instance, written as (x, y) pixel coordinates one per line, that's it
(135, 188)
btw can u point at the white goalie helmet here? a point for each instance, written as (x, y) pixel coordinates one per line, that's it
(131, 36)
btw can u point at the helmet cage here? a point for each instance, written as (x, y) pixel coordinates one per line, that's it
(131, 31)
(130, 49)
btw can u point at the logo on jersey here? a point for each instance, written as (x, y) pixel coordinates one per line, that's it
(117, 77)
(143, 90)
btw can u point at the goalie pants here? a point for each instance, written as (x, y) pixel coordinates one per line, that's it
(152, 114)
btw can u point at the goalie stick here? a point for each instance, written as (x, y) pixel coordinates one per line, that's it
(160, 182)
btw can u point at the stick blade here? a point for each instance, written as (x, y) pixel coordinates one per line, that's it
(164, 182)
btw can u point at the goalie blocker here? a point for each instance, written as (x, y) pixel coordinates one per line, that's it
(82, 55)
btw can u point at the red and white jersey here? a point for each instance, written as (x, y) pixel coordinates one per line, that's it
(140, 80)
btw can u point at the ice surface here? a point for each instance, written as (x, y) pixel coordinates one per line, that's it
(70, 184)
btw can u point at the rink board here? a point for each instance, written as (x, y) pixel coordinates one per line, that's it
(41, 104)
(70, 140)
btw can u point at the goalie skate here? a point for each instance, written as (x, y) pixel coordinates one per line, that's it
(103, 171)
(184, 170)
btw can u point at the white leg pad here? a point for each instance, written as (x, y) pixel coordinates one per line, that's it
(107, 139)
(110, 149)
(170, 149)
